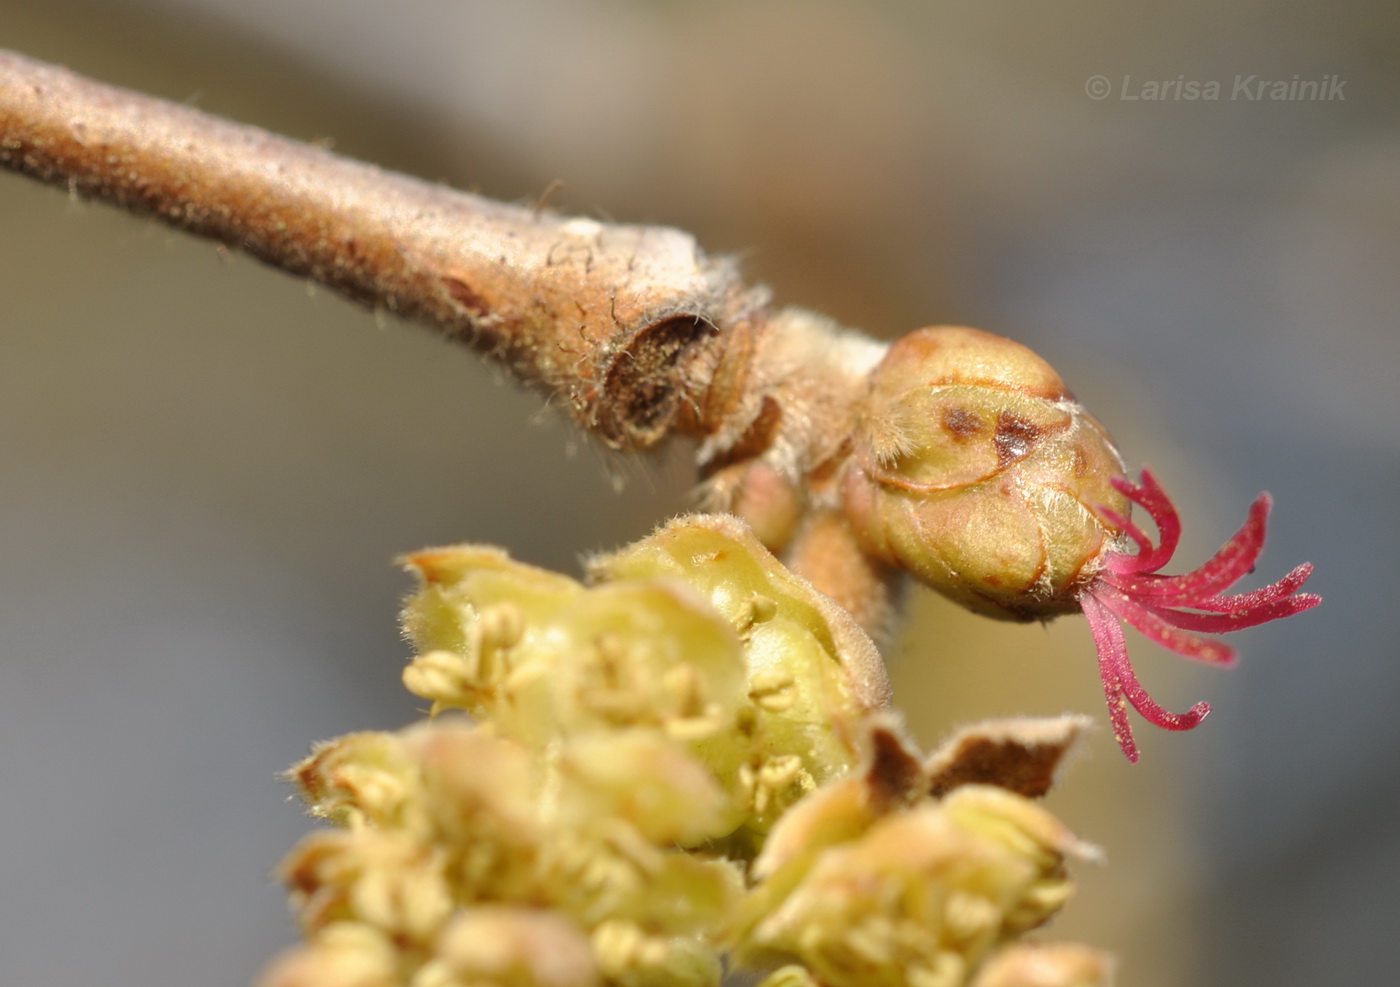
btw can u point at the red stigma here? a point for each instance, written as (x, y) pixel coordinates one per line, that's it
(1175, 610)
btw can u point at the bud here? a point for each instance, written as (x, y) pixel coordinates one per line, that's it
(977, 470)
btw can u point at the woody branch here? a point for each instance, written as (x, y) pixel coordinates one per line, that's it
(633, 330)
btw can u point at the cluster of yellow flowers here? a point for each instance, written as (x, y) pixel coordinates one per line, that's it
(682, 767)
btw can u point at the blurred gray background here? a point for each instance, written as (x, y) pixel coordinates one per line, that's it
(207, 468)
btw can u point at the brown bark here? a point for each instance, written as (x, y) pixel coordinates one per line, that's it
(621, 325)
(632, 330)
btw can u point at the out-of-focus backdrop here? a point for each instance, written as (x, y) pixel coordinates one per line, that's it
(206, 468)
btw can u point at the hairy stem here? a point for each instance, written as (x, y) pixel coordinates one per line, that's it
(632, 330)
(607, 318)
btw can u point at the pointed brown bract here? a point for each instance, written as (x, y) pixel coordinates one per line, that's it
(1021, 755)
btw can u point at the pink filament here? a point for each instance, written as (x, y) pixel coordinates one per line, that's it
(1129, 588)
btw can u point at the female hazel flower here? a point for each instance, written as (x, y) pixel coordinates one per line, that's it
(975, 469)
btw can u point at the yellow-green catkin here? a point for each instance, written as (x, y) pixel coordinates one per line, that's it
(590, 801)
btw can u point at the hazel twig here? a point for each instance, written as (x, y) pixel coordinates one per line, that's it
(632, 330)
(593, 313)
(953, 454)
